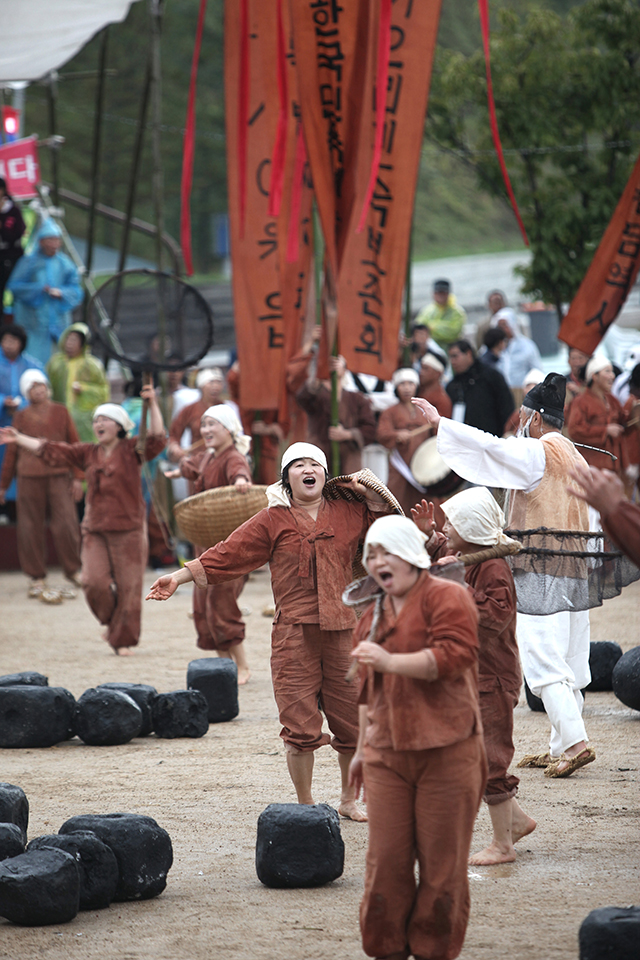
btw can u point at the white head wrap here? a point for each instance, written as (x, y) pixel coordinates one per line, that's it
(29, 377)
(226, 416)
(597, 363)
(534, 377)
(430, 360)
(207, 375)
(276, 494)
(476, 517)
(113, 411)
(405, 375)
(399, 536)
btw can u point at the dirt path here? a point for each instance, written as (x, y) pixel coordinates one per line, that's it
(208, 794)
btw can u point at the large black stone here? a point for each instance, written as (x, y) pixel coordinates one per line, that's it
(142, 694)
(217, 679)
(141, 847)
(14, 807)
(603, 657)
(11, 840)
(28, 678)
(35, 716)
(299, 845)
(610, 933)
(39, 887)
(625, 679)
(105, 718)
(535, 703)
(181, 713)
(96, 861)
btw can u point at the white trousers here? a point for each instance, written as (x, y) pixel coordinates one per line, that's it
(554, 651)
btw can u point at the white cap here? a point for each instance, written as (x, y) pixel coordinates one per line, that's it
(113, 411)
(29, 377)
(207, 375)
(597, 363)
(399, 536)
(298, 451)
(226, 416)
(405, 375)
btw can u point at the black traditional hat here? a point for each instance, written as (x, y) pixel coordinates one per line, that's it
(548, 397)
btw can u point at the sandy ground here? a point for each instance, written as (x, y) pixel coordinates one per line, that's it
(208, 794)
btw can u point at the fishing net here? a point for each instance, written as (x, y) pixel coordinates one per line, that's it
(151, 321)
(559, 570)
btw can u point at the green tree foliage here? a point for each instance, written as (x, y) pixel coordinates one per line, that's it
(128, 48)
(567, 91)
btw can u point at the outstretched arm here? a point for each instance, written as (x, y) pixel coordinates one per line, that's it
(11, 435)
(165, 587)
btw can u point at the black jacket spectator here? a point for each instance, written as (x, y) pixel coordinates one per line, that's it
(487, 398)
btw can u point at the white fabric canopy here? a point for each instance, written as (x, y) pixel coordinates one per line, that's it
(38, 36)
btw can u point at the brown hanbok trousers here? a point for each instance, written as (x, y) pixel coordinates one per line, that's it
(39, 497)
(113, 564)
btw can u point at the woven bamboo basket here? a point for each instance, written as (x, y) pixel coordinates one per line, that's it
(207, 518)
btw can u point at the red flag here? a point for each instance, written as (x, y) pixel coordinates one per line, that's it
(610, 276)
(19, 167)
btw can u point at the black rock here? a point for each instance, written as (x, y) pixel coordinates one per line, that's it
(96, 861)
(11, 840)
(14, 807)
(105, 718)
(142, 849)
(535, 703)
(35, 716)
(181, 713)
(39, 887)
(299, 845)
(29, 678)
(625, 679)
(603, 657)
(143, 695)
(217, 679)
(610, 933)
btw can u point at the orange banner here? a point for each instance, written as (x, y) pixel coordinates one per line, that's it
(373, 265)
(331, 49)
(257, 298)
(610, 276)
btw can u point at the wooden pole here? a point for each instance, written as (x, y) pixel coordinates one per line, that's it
(95, 158)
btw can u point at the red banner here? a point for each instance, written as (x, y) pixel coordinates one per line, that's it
(20, 168)
(610, 276)
(373, 265)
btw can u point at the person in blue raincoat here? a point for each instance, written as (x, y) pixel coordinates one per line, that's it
(14, 360)
(46, 288)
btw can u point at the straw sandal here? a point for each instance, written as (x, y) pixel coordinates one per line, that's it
(36, 588)
(68, 593)
(51, 596)
(537, 760)
(573, 763)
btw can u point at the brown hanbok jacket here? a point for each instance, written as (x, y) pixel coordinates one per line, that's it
(114, 491)
(588, 419)
(48, 421)
(409, 714)
(209, 471)
(310, 560)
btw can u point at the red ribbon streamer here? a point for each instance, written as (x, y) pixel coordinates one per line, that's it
(188, 148)
(293, 231)
(280, 146)
(483, 7)
(382, 81)
(243, 111)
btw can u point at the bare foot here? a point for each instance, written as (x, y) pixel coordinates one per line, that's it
(491, 855)
(123, 651)
(522, 827)
(243, 675)
(351, 811)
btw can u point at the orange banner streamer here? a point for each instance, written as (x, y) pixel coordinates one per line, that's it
(373, 265)
(610, 276)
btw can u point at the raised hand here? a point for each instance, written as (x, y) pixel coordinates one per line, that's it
(430, 412)
(423, 515)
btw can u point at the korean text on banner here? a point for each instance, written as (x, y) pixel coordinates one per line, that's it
(20, 168)
(610, 276)
(373, 267)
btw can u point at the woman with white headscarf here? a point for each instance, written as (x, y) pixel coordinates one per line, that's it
(420, 754)
(402, 429)
(597, 419)
(474, 522)
(114, 535)
(217, 617)
(44, 490)
(210, 383)
(309, 543)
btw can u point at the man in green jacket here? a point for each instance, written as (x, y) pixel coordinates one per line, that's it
(77, 379)
(444, 317)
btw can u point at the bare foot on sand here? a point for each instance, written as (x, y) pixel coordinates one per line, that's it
(522, 827)
(243, 676)
(494, 853)
(350, 810)
(123, 651)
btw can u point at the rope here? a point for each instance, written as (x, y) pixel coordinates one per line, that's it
(500, 550)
